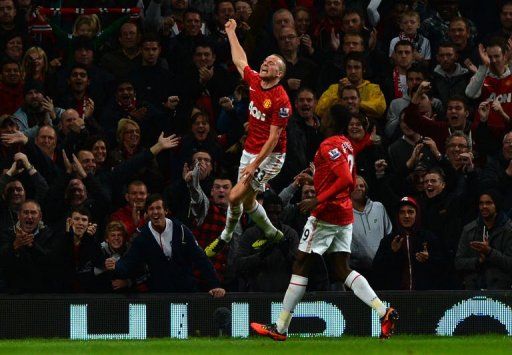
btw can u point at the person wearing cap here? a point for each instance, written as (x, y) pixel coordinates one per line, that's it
(37, 109)
(410, 258)
(484, 256)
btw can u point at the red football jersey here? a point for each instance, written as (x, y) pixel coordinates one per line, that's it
(335, 152)
(266, 107)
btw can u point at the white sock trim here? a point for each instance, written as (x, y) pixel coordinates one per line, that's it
(351, 278)
(298, 280)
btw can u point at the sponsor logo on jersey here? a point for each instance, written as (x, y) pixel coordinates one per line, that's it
(254, 112)
(504, 98)
(267, 103)
(284, 112)
(334, 153)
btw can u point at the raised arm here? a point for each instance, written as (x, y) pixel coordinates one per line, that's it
(237, 52)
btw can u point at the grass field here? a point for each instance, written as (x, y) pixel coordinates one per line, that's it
(482, 345)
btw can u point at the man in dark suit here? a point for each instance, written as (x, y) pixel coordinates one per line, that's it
(170, 251)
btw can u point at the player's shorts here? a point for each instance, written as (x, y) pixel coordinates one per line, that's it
(268, 169)
(322, 238)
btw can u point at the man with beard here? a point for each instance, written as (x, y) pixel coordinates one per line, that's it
(484, 255)
(492, 83)
(132, 214)
(170, 251)
(13, 192)
(11, 87)
(304, 137)
(449, 77)
(36, 110)
(30, 252)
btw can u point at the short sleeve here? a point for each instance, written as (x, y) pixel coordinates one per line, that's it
(282, 111)
(332, 154)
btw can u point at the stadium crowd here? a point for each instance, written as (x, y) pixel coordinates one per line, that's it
(111, 119)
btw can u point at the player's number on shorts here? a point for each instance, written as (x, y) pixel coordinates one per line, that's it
(306, 234)
(259, 174)
(350, 159)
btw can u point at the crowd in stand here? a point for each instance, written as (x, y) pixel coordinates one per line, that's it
(110, 121)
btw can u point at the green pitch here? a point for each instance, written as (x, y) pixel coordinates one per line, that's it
(410, 345)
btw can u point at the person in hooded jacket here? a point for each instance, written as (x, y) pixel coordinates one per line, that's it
(410, 258)
(484, 256)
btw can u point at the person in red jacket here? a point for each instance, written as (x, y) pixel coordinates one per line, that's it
(132, 214)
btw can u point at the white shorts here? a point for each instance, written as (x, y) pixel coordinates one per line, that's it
(268, 169)
(322, 238)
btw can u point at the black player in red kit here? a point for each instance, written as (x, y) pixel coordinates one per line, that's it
(328, 231)
(265, 146)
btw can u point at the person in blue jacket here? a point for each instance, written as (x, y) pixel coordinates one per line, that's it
(171, 253)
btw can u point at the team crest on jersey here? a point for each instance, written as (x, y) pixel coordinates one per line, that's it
(334, 154)
(267, 103)
(284, 112)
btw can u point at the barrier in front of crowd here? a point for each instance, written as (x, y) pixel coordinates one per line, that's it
(323, 314)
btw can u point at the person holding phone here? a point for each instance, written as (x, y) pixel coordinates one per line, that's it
(484, 256)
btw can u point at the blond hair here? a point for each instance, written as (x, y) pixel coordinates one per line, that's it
(91, 20)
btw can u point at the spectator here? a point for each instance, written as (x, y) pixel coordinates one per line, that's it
(129, 145)
(505, 20)
(292, 215)
(170, 259)
(178, 195)
(82, 252)
(497, 173)
(152, 80)
(457, 113)
(116, 246)
(35, 66)
(490, 83)
(179, 49)
(11, 87)
(409, 24)
(435, 28)
(9, 22)
(410, 258)
(414, 76)
(79, 96)
(303, 26)
(484, 256)
(449, 77)
(14, 47)
(403, 57)
(124, 104)
(300, 71)
(459, 33)
(100, 84)
(36, 110)
(30, 252)
(372, 101)
(170, 25)
(132, 214)
(303, 138)
(267, 269)
(330, 24)
(204, 81)
(371, 224)
(210, 218)
(125, 59)
(13, 192)
(223, 11)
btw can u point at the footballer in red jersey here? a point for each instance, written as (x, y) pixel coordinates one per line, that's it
(265, 145)
(329, 231)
